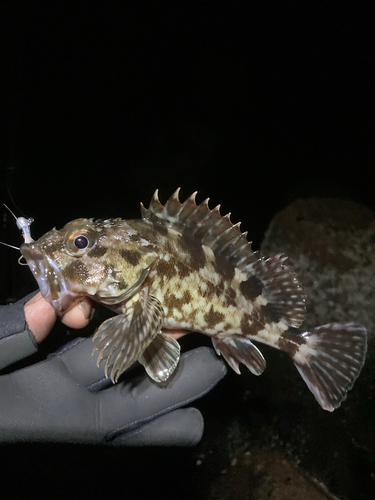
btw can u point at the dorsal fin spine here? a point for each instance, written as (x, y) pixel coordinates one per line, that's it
(175, 196)
(216, 217)
(236, 252)
(172, 205)
(215, 212)
(191, 198)
(155, 206)
(189, 201)
(241, 263)
(233, 242)
(213, 239)
(192, 213)
(201, 223)
(144, 212)
(204, 214)
(230, 240)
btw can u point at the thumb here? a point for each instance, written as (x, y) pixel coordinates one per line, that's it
(40, 317)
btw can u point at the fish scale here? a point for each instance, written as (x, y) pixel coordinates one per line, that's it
(185, 267)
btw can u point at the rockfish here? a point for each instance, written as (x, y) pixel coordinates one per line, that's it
(185, 267)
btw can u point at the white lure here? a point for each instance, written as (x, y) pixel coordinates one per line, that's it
(24, 225)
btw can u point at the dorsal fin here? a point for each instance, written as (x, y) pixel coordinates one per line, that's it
(278, 280)
(209, 226)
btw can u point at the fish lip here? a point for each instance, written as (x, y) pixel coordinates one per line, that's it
(52, 284)
(37, 266)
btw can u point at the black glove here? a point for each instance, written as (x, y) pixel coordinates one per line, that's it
(66, 398)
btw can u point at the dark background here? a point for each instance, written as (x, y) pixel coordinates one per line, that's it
(253, 104)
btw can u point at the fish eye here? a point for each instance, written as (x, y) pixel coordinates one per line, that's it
(81, 242)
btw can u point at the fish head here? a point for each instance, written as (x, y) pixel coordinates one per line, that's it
(85, 258)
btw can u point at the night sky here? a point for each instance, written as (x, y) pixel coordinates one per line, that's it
(253, 104)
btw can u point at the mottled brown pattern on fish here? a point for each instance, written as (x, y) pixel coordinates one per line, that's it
(212, 290)
(269, 311)
(97, 251)
(173, 301)
(169, 245)
(52, 248)
(230, 297)
(251, 288)
(213, 318)
(134, 238)
(290, 342)
(260, 324)
(131, 256)
(146, 230)
(263, 316)
(249, 328)
(160, 228)
(182, 269)
(220, 288)
(223, 267)
(164, 269)
(77, 270)
(197, 256)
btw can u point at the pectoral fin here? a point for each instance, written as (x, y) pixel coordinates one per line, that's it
(123, 338)
(161, 357)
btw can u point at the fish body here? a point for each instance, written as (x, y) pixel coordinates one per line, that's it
(185, 267)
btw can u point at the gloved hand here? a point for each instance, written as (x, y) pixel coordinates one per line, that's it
(66, 398)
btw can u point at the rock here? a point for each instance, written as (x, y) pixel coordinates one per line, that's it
(331, 246)
(266, 475)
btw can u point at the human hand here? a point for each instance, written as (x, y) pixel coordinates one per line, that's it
(40, 316)
(67, 398)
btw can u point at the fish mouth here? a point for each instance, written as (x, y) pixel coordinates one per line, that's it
(52, 284)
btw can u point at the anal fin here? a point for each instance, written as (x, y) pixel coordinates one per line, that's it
(161, 357)
(236, 350)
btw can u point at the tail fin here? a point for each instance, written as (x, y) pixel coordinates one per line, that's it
(331, 360)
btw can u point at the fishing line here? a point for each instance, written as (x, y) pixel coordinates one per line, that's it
(23, 224)
(7, 245)
(12, 200)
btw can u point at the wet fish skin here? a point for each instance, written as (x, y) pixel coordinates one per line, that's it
(186, 267)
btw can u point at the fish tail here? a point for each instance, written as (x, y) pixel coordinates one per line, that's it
(329, 359)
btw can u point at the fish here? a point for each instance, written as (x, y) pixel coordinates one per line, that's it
(185, 267)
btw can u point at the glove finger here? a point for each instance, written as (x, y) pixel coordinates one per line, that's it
(16, 340)
(182, 427)
(127, 406)
(78, 358)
